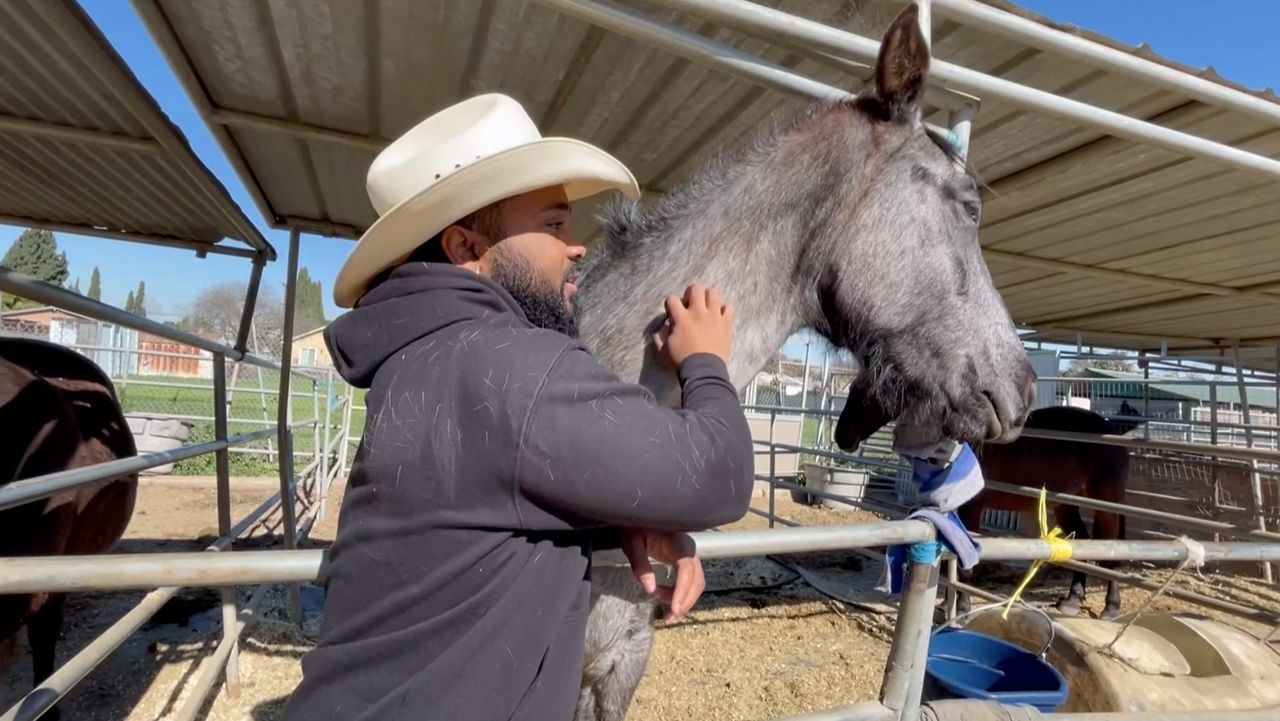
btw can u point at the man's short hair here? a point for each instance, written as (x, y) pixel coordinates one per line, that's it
(486, 221)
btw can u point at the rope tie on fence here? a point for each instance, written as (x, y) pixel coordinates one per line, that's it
(1195, 557)
(1059, 550)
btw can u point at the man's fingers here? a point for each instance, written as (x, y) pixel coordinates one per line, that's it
(637, 552)
(715, 301)
(695, 297)
(675, 308)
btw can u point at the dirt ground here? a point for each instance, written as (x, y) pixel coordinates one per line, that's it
(760, 644)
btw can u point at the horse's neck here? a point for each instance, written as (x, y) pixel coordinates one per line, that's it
(625, 295)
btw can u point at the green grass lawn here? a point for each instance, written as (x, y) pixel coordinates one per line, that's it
(254, 411)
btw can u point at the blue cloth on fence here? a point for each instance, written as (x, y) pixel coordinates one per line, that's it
(942, 488)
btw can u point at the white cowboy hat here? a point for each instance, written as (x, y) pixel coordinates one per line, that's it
(456, 162)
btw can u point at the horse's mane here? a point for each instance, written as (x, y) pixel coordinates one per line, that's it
(628, 227)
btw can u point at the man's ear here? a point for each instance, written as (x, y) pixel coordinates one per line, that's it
(461, 246)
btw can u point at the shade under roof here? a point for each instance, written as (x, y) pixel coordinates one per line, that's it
(1088, 236)
(84, 148)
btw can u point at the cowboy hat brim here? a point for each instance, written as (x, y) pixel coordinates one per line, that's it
(582, 169)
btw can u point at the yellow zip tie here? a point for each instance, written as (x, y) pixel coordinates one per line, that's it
(1059, 550)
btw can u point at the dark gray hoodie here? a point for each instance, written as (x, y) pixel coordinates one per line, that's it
(492, 451)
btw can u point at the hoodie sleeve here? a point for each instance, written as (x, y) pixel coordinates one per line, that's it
(605, 451)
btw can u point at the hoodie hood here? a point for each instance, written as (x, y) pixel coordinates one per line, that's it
(415, 301)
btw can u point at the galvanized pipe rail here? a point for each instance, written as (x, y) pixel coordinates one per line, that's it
(1173, 519)
(32, 489)
(1195, 449)
(794, 30)
(151, 570)
(41, 292)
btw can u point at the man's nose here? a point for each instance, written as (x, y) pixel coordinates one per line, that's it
(576, 252)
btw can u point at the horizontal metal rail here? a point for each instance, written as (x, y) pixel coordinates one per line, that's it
(640, 26)
(27, 490)
(1173, 519)
(771, 23)
(1195, 449)
(1008, 25)
(242, 568)
(33, 489)
(1086, 568)
(48, 294)
(43, 697)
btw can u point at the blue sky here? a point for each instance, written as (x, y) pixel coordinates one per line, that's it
(1236, 37)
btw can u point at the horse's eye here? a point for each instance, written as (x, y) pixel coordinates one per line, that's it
(972, 209)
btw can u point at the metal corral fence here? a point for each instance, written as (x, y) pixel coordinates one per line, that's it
(187, 415)
(904, 672)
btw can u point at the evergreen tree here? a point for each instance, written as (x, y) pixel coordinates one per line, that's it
(308, 307)
(140, 299)
(76, 287)
(128, 302)
(95, 285)
(35, 253)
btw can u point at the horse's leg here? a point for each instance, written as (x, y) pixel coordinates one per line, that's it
(618, 642)
(42, 633)
(1109, 527)
(1069, 521)
(1108, 484)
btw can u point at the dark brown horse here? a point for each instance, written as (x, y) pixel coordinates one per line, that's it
(1085, 469)
(58, 411)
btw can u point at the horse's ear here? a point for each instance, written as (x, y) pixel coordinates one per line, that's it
(903, 67)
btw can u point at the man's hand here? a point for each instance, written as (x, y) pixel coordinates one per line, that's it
(673, 549)
(701, 322)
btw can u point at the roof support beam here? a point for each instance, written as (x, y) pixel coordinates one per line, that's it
(250, 121)
(88, 136)
(179, 243)
(1184, 301)
(1051, 328)
(1063, 266)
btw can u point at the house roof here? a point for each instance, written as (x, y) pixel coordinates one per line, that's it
(1259, 396)
(310, 333)
(1088, 236)
(18, 314)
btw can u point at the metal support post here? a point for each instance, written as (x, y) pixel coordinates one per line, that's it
(346, 429)
(317, 451)
(284, 419)
(1146, 396)
(904, 671)
(250, 301)
(229, 611)
(1259, 507)
(960, 122)
(804, 379)
(773, 467)
(325, 464)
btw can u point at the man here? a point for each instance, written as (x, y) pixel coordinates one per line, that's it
(496, 447)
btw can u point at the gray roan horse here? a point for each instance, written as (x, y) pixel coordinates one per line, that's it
(851, 219)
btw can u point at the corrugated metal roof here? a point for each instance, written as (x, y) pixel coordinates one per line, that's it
(84, 148)
(1259, 397)
(1085, 233)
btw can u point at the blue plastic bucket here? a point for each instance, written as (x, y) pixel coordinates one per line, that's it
(965, 664)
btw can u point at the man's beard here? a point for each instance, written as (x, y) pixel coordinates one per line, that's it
(543, 306)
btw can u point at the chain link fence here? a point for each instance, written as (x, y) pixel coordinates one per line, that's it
(166, 392)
